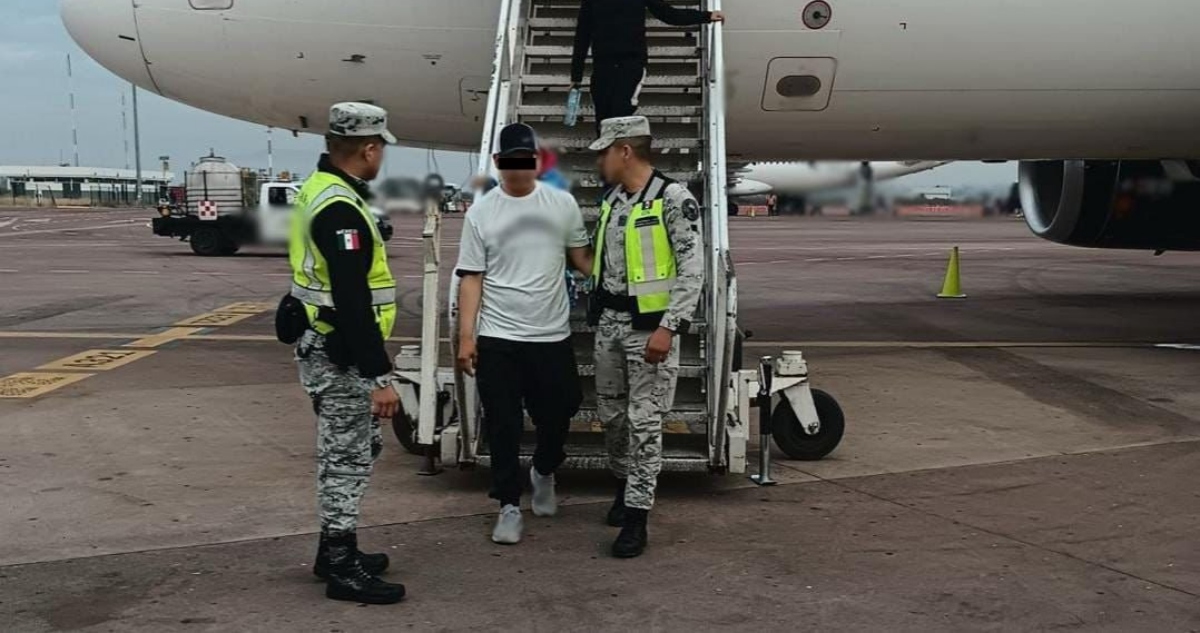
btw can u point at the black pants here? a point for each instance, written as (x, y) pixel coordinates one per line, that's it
(614, 84)
(514, 377)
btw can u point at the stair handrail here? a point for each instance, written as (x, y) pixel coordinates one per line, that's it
(721, 301)
(499, 92)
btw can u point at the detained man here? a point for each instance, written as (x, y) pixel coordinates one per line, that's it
(514, 316)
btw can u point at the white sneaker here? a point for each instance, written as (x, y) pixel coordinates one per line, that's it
(545, 503)
(508, 526)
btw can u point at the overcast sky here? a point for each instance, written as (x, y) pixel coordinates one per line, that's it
(35, 119)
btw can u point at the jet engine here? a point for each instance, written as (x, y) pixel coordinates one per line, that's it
(1151, 205)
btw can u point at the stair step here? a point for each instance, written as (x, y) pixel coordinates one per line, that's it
(679, 454)
(685, 371)
(661, 145)
(581, 327)
(568, 24)
(589, 111)
(655, 52)
(676, 421)
(574, 4)
(592, 181)
(651, 81)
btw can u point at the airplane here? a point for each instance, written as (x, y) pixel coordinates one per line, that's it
(1097, 101)
(798, 179)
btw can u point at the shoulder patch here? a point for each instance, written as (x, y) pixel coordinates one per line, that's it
(348, 240)
(691, 209)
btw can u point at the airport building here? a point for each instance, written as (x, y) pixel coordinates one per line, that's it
(82, 185)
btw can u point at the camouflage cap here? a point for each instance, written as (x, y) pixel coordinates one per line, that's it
(359, 119)
(614, 129)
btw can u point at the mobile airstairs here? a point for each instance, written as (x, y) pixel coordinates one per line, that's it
(708, 427)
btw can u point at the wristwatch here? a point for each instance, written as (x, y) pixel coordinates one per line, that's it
(383, 381)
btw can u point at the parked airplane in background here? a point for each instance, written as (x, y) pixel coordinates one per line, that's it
(1098, 99)
(798, 179)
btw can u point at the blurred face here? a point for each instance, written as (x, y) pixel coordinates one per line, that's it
(613, 161)
(518, 169)
(372, 155)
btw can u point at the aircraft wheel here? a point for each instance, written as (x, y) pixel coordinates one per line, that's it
(797, 444)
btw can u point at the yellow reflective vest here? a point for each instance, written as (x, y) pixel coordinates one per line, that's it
(649, 259)
(310, 272)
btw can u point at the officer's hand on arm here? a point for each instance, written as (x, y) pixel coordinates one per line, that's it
(659, 346)
(385, 402)
(718, 16)
(582, 259)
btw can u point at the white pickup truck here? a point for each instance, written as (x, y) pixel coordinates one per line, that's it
(215, 227)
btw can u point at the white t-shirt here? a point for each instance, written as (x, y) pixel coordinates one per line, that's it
(520, 245)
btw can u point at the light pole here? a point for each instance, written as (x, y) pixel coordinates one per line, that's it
(137, 144)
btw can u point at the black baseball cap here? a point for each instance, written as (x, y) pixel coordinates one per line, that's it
(517, 138)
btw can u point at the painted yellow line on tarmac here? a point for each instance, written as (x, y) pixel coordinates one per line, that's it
(34, 384)
(162, 338)
(260, 338)
(227, 315)
(802, 345)
(245, 307)
(215, 319)
(72, 335)
(97, 359)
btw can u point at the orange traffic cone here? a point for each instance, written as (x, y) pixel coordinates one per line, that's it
(952, 287)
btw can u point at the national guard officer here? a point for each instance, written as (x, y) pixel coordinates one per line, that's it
(340, 275)
(647, 273)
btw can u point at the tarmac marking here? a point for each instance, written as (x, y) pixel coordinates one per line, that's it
(215, 319)
(97, 359)
(99, 227)
(943, 344)
(801, 345)
(70, 272)
(245, 307)
(162, 338)
(70, 335)
(261, 338)
(34, 384)
(227, 315)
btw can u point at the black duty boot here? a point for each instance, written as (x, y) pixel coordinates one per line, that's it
(373, 564)
(616, 514)
(349, 581)
(631, 542)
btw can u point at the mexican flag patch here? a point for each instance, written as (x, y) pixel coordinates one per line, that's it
(348, 240)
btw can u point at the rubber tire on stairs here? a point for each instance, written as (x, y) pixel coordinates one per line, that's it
(797, 444)
(405, 428)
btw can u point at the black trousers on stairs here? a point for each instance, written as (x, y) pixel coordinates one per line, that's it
(616, 85)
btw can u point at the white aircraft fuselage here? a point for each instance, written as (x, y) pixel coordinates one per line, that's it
(909, 79)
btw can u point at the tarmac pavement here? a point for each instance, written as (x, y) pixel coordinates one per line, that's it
(1022, 459)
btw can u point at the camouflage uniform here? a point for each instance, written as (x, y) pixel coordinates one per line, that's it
(632, 396)
(348, 436)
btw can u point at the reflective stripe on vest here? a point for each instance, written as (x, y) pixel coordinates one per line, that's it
(649, 259)
(310, 272)
(324, 299)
